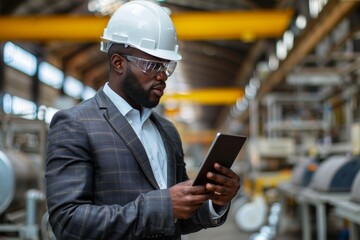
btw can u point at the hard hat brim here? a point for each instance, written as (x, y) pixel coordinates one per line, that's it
(159, 53)
(163, 54)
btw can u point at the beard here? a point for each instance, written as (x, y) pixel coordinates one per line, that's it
(137, 94)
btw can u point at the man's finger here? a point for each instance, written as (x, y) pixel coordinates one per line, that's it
(224, 170)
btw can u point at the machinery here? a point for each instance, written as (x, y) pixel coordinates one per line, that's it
(313, 181)
(304, 171)
(336, 174)
(22, 144)
(330, 185)
(355, 190)
(349, 209)
(18, 173)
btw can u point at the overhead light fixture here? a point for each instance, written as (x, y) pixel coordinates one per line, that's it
(281, 51)
(300, 22)
(235, 112)
(250, 91)
(316, 6)
(262, 69)
(242, 104)
(288, 39)
(254, 81)
(273, 62)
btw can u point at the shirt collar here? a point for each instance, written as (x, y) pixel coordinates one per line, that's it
(123, 106)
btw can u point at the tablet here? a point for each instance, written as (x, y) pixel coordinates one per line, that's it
(223, 150)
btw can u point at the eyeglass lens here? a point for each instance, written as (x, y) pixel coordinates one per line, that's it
(153, 67)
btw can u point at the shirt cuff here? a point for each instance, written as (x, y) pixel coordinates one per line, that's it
(216, 215)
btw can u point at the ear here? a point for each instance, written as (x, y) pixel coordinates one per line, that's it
(117, 63)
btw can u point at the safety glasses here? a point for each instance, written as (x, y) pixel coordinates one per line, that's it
(152, 67)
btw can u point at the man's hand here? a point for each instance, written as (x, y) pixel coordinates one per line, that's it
(186, 199)
(227, 184)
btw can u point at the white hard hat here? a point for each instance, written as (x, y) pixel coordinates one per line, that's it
(143, 25)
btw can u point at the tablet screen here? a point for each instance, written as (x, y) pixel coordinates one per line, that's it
(223, 150)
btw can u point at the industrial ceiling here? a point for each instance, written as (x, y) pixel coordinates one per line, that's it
(224, 45)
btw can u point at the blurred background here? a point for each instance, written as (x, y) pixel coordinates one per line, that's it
(284, 73)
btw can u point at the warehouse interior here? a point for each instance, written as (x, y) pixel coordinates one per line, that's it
(283, 73)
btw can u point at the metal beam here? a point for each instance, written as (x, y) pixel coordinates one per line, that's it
(209, 96)
(330, 16)
(248, 25)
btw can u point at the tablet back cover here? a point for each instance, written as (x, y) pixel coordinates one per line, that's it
(223, 150)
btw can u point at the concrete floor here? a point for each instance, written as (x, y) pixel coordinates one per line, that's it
(289, 230)
(229, 231)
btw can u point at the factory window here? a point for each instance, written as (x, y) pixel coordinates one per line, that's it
(20, 59)
(7, 103)
(23, 107)
(73, 87)
(316, 6)
(88, 93)
(19, 106)
(50, 111)
(51, 75)
(46, 113)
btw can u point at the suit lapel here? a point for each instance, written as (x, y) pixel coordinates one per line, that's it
(171, 161)
(121, 126)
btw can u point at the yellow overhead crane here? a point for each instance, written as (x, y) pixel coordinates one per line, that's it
(242, 25)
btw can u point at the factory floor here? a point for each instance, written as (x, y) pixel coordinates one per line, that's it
(229, 231)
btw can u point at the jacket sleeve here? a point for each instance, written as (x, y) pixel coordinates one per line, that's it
(69, 188)
(202, 218)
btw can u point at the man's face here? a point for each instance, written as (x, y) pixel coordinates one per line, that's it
(142, 89)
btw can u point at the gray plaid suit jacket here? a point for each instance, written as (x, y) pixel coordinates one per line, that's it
(99, 180)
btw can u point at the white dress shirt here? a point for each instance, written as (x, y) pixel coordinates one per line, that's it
(148, 134)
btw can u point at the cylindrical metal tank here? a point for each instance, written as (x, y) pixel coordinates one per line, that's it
(18, 173)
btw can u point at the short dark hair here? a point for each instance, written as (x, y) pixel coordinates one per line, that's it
(119, 49)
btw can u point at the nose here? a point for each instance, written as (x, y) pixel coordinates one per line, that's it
(161, 76)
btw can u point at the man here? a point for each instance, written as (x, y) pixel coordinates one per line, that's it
(115, 169)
